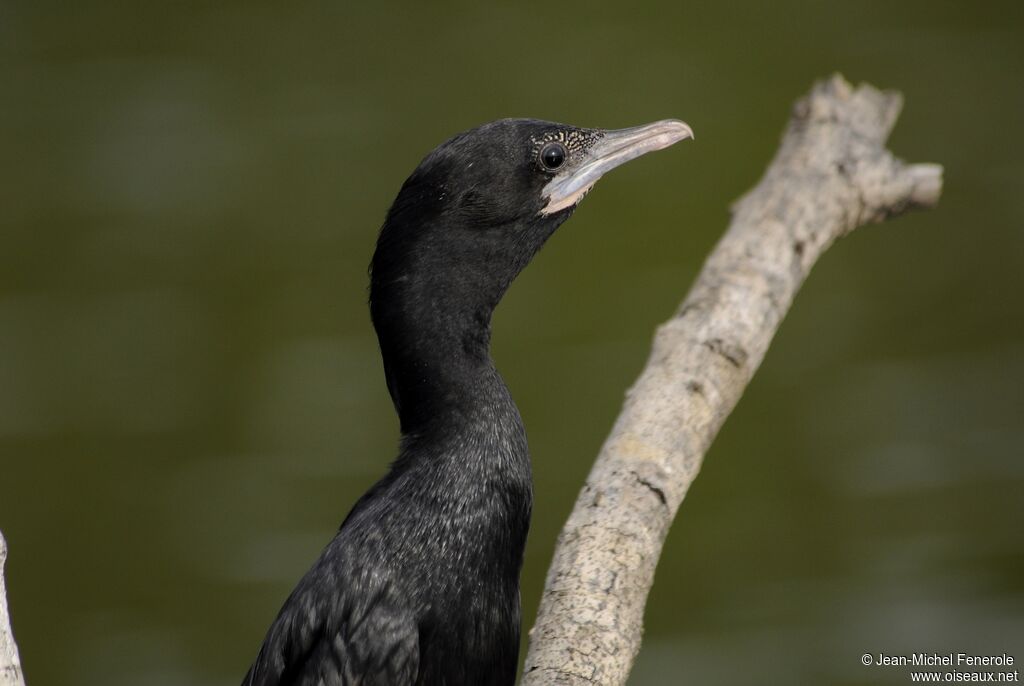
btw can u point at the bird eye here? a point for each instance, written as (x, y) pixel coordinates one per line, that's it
(552, 155)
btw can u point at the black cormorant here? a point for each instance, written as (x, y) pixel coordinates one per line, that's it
(421, 583)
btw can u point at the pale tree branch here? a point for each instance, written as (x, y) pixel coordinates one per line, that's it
(10, 664)
(832, 174)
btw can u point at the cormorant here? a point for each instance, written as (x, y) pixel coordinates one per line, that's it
(421, 583)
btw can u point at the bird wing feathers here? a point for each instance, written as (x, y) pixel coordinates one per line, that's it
(359, 644)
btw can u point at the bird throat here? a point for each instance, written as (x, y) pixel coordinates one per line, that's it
(432, 294)
(434, 341)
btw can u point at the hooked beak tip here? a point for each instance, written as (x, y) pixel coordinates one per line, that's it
(680, 128)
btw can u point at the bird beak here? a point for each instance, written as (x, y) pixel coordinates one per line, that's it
(613, 148)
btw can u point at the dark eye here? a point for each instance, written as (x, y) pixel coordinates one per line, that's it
(552, 155)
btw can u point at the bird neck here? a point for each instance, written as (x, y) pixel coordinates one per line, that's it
(435, 344)
(435, 281)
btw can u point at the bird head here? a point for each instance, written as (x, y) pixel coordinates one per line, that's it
(479, 206)
(523, 170)
(466, 222)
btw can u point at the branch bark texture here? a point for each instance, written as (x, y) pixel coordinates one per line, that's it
(10, 664)
(831, 174)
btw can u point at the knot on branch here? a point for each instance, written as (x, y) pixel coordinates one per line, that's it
(834, 151)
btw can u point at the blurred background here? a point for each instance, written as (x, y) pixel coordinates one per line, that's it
(190, 392)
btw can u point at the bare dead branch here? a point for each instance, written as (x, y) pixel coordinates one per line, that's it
(832, 174)
(10, 663)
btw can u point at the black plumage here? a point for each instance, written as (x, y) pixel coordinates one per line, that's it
(421, 583)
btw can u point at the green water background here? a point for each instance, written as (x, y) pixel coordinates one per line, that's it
(190, 393)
